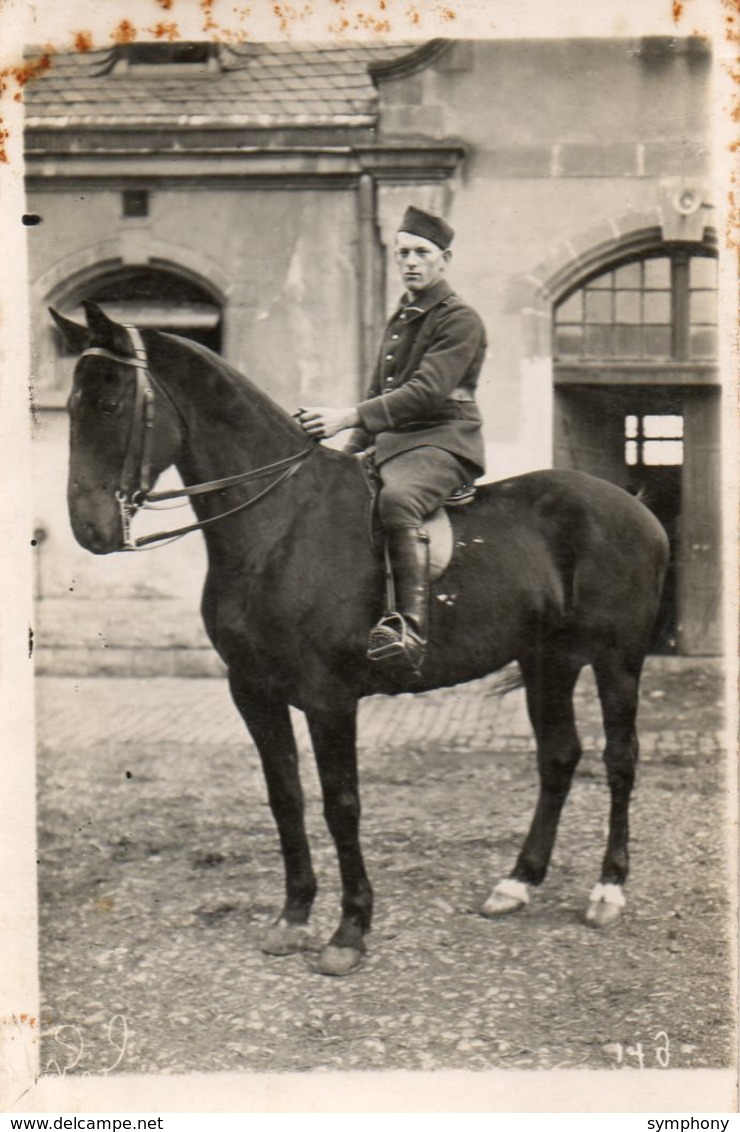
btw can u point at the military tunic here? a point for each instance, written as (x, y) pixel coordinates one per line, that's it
(423, 388)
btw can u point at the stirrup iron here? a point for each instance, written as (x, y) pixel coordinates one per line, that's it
(393, 639)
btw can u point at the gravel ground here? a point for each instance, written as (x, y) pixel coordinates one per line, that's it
(159, 871)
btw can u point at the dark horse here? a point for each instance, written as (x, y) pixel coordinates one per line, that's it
(555, 570)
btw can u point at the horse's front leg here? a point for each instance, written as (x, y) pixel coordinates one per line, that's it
(268, 721)
(334, 735)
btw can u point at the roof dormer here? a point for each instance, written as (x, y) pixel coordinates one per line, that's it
(195, 60)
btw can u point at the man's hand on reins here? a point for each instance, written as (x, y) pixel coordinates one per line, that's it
(322, 422)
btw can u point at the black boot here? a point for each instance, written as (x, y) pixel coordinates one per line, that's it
(400, 637)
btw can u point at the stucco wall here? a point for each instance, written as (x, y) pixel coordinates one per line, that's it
(282, 262)
(523, 95)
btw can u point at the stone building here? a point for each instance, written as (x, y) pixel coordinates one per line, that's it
(248, 196)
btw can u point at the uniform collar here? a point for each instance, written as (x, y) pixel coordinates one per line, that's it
(433, 295)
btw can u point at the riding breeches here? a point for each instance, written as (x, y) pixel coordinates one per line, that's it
(416, 483)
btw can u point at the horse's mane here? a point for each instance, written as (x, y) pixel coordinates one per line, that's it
(211, 382)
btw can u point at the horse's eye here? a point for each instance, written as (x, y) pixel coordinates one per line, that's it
(107, 405)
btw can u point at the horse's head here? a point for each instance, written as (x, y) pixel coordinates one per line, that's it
(119, 444)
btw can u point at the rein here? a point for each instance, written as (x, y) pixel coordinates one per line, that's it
(134, 494)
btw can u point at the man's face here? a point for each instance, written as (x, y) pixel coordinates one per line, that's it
(420, 262)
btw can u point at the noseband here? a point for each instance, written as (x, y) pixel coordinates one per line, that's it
(136, 474)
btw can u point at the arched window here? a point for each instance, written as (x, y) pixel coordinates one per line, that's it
(656, 309)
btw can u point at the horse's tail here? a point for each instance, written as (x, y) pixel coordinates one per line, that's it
(509, 679)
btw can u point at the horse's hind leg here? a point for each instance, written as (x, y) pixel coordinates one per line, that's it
(618, 684)
(549, 679)
(268, 722)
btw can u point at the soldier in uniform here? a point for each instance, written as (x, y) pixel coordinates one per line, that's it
(420, 414)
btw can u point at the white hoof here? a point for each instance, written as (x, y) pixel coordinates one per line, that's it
(508, 896)
(606, 904)
(285, 939)
(338, 960)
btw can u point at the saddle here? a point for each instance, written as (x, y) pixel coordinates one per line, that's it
(437, 525)
(439, 529)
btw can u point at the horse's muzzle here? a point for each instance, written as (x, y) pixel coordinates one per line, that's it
(94, 541)
(95, 535)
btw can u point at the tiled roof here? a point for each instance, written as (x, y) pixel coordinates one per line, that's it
(271, 84)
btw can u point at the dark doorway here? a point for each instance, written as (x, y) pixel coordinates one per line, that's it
(154, 297)
(654, 458)
(634, 437)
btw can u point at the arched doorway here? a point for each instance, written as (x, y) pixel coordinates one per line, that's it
(637, 402)
(159, 296)
(156, 297)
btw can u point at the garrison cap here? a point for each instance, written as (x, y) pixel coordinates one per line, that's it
(428, 225)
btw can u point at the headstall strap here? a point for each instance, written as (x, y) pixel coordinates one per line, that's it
(134, 494)
(134, 486)
(143, 415)
(100, 352)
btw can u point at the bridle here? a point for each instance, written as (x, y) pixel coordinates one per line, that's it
(133, 494)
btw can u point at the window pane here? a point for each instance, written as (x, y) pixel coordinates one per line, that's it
(599, 342)
(657, 341)
(568, 341)
(628, 306)
(630, 453)
(703, 342)
(601, 281)
(628, 277)
(598, 306)
(658, 274)
(630, 426)
(703, 306)
(657, 306)
(628, 313)
(572, 309)
(664, 425)
(158, 53)
(629, 342)
(662, 452)
(703, 271)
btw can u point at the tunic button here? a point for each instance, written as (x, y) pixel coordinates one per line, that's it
(389, 357)
(394, 337)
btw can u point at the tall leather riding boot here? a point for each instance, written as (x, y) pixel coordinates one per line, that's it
(399, 639)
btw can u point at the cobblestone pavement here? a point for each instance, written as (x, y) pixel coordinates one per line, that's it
(159, 873)
(85, 711)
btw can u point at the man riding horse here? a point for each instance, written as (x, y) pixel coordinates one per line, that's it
(421, 417)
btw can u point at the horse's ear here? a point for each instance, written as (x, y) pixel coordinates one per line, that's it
(77, 337)
(105, 331)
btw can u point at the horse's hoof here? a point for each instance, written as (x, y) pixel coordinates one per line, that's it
(338, 960)
(606, 905)
(286, 939)
(601, 915)
(508, 896)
